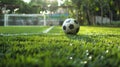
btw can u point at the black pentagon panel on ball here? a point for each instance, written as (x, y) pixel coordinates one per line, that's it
(71, 26)
(64, 27)
(75, 21)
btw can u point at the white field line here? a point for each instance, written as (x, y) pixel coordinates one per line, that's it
(45, 31)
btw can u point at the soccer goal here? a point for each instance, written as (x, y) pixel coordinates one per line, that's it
(24, 19)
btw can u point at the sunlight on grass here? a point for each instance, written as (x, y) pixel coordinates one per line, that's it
(92, 46)
(99, 30)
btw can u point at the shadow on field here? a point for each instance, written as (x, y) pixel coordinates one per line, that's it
(90, 38)
(80, 37)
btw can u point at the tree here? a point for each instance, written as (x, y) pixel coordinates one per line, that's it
(91, 8)
(11, 5)
(77, 10)
(43, 5)
(83, 8)
(116, 10)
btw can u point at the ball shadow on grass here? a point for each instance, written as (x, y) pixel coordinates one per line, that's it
(90, 38)
(80, 37)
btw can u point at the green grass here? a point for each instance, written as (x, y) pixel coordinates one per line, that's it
(22, 29)
(91, 47)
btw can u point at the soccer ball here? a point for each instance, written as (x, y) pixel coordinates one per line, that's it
(70, 26)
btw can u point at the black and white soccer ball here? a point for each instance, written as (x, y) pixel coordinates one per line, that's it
(70, 26)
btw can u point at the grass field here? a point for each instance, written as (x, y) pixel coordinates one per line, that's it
(91, 47)
(22, 29)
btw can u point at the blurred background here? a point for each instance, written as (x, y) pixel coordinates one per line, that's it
(54, 12)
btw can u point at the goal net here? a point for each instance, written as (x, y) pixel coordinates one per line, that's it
(29, 19)
(24, 19)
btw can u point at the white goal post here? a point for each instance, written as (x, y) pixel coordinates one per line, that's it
(24, 19)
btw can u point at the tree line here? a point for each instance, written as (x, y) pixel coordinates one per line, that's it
(82, 10)
(88, 9)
